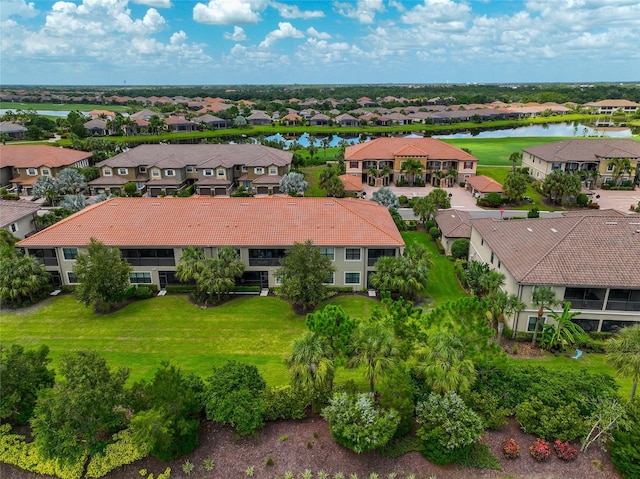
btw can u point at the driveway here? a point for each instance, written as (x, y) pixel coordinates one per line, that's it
(616, 200)
(460, 198)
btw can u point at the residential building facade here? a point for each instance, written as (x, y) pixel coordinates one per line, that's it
(214, 170)
(591, 157)
(389, 154)
(152, 233)
(17, 216)
(593, 261)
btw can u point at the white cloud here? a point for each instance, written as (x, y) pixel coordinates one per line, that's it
(364, 10)
(229, 12)
(238, 35)
(438, 14)
(154, 3)
(312, 32)
(293, 12)
(178, 38)
(19, 8)
(285, 30)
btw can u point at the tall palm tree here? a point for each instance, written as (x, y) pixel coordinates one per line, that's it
(621, 168)
(544, 297)
(514, 158)
(311, 364)
(623, 353)
(191, 264)
(501, 304)
(375, 349)
(412, 168)
(443, 365)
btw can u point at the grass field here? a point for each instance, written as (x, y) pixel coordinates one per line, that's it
(496, 151)
(499, 173)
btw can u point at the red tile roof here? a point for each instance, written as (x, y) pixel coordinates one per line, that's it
(35, 156)
(388, 148)
(484, 184)
(199, 221)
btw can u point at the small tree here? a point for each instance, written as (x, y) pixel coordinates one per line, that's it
(334, 324)
(293, 184)
(302, 274)
(515, 186)
(623, 353)
(218, 276)
(24, 374)
(460, 248)
(103, 276)
(74, 203)
(46, 187)
(406, 275)
(357, 423)
(385, 197)
(130, 189)
(233, 396)
(544, 297)
(70, 181)
(23, 280)
(374, 348)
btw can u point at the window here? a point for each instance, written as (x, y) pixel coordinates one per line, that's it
(207, 172)
(140, 278)
(328, 252)
(556, 166)
(330, 279)
(352, 254)
(259, 170)
(46, 172)
(492, 257)
(155, 173)
(352, 278)
(273, 170)
(468, 165)
(106, 171)
(190, 169)
(73, 279)
(610, 167)
(169, 172)
(32, 172)
(143, 169)
(70, 253)
(353, 165)
(221, 172)
(244, 169)
(13, 227)
(123, 171)
(532, 323)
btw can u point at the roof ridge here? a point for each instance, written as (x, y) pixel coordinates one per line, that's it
(341, 202)
(562, 238)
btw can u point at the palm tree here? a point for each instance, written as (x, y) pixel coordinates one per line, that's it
(443, 365)
(623, 353)
(375, 349)
(565, 331)
(191, 264)
(311, 364)
(501, 304)
(514, 158)
(621, 168)
(543, 297)
(412, 168)
(424, 208)
(452, 176)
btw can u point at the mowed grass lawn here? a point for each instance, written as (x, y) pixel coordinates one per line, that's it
(252, 329)
(496, 151)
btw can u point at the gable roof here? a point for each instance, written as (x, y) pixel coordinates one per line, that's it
(387, 148)
(454, 223)
(12, 211)
(195, 221)
(35, 156)
(587, 250)
(585, 150)
(351, 182)
(484, 184)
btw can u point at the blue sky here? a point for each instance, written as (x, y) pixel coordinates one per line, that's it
(172, 42)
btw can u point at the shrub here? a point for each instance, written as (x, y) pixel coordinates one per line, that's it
(434, 232)
(460, 248)
(285, 402)
(144, 292)
(488, 407)
(208, 464)
(533, 213)
(187, 467)
(625, 444)
(122, 451)
(564, 450)
(564, 422)
(582, 199)
(510, 448)
(494, 199)
(540, 450)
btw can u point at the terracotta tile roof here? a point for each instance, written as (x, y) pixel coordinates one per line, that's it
(484, 184)
(454, 223)
(386, 148)
(587, 250)
(197, 221)
(585, 150)
(12, 211)
(614, 103)
(35, 156)
(351, 182)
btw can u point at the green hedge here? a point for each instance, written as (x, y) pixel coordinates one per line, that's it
(122, 451)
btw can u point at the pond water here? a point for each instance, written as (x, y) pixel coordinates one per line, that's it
(61, 113)
(553, 129)
(305, 140)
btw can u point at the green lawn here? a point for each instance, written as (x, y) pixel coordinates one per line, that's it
(594, 363)
(499, 173)
(443, 285)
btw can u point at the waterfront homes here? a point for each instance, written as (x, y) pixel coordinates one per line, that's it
(590, 156)
(386, 157)
(607, 107)
(214, 170)
(593, 261)
(152, 232)
(25, 163)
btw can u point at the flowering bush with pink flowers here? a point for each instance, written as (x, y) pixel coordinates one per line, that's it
(540, 450)
(564, 450)
(510, 448)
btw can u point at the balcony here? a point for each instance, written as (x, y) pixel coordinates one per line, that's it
(264, 261)
(615, 305)
(151, 261)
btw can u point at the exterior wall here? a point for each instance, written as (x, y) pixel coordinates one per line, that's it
(130, 175)
(538, 169)
(21, 227)
(341, 264)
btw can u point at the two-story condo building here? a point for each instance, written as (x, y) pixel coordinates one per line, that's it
(214, 170)
(593, 261)
(152, 233)
(21, 165)
(582, 155)
(389, 154)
